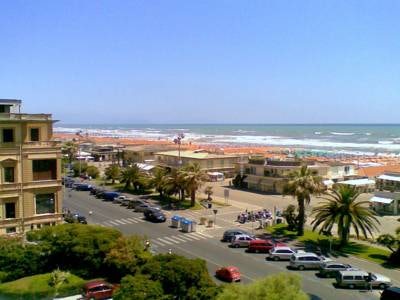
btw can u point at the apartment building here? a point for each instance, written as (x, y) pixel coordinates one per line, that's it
(386, 199)
(30, 170)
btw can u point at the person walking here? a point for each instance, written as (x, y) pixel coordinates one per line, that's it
(369, 281)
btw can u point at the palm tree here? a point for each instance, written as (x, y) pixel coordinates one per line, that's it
(344, 209)
(159, 180)
(131, 176)
(175, 184)
(113, 172)
(302, 185)
(194, 178)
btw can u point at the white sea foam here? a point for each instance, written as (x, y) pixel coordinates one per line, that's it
(318, 132)
(385, 142)
(342, 133)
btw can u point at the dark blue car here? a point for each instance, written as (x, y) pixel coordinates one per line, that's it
(110, 196)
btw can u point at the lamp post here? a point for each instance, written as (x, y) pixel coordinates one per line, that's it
(178, 141)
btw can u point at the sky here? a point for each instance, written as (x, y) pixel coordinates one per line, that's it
(205, 61)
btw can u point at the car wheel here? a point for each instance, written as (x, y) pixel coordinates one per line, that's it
(276, 258)
(301, 268)
(257, 251)
(382, 286)
(236, 246)
(351, 286)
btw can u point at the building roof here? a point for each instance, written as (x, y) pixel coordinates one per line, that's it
(358, 182)
(10, 101)
(197, 155)
(381, 200)
(389, 177)
(378, 170)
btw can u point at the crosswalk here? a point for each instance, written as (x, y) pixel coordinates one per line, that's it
(182, 238)
(120, 222)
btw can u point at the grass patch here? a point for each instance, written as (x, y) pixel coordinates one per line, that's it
(167, 200)
(311, 238)
(37, 287)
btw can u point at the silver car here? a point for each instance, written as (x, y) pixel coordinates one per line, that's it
(241, 240)
(281, 253)
(331, 269)
(303, 261)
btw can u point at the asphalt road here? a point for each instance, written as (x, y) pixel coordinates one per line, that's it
(205, 245)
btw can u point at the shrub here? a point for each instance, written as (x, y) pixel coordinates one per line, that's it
(92, 171)
(139, 287)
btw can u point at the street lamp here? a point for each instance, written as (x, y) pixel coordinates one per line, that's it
(178, 141)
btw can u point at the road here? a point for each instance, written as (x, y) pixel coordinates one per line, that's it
(205, 245)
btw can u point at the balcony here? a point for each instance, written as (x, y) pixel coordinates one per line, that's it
(6, 187)
(42, 144)
(25, 117)
(42, 183)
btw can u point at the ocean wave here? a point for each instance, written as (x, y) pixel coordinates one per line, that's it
(385, 142)
(342, 133)
(318, 132)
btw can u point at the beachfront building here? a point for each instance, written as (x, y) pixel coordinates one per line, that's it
(144, 153)
(387, 199)
(107, 153)
(271, 175)
(211, 162)
(363, 185)
(30, 170)
(339, 171)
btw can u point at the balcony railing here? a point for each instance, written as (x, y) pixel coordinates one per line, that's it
(25, 117)
(32, 145)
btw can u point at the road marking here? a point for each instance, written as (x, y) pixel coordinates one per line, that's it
(133, 220)
(163, 241)
(180, 239)
(171, 239)
(120, 222)
(195, 236)
(189, 238)
(205, 234)
(114, 223)
(157, 242)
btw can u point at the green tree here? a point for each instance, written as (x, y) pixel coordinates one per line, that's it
(175, 184)
(18, 260)
(132, 176)
(79, 166)
(302, 185)
(112, 172)
(82, 249)
(282, 286)
(70, 149)
(159, 181)
(139, 287)
(238, 181)
(92, 171)
(208, 191)
(57, 279)
(343, 208)
(126, 256)
(194, 177)
(392, 242)
(290, 216)
(181, 277)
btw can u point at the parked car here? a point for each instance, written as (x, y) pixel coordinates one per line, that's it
(241, 240)
(68, 183)
(133, 203)
(331, 269)
(361, 279)
(144, 206)
(281, 253)
(83, 187)
(230, 274)
(229, 234)
(154, 215)
(119, 199)
(263, 246)
(94, 190)
(391, 293)
(110, 196)
(75, 218)
(98, 289)
(302, 261)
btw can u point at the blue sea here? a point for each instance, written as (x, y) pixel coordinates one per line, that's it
(358, 139)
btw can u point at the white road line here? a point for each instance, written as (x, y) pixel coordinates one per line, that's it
(186, 238)
(171, 239)
(157, 242)
(195, 237)
(163, 241)
(133, 220)
(126, 221)
(180, 239)
(206, 235)
(140, 220)
(189, 238)
(120, 222)
(114, 223)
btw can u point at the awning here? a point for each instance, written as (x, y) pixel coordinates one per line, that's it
(215, 174)
(358, 182)
(145, 167)
(388, 177)
(328, 182)
(381, 200)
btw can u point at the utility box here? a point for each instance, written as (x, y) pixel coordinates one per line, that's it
(175, 221)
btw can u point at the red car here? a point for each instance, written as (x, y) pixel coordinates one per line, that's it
(230, 274)
(262, 246)
(98, 289)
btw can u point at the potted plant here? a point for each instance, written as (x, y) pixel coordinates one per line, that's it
(203, 220)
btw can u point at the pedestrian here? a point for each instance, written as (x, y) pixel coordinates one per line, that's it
(369, 281)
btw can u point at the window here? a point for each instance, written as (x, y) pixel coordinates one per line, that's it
(35, 134)
(9, 174)
(10, 210)
(45, 204)
(11, 230)
(45, 169)
(8, 135)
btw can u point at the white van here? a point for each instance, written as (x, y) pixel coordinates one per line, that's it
(362, 279)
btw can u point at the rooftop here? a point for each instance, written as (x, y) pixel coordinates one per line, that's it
(358, 182)
(25, 117)
(10, 101)
(197, 155)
